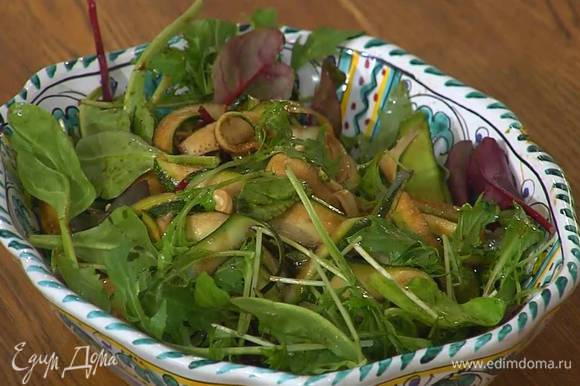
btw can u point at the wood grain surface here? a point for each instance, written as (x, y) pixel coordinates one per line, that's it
(526, 53)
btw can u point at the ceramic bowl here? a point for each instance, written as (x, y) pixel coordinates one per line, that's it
(454, 111)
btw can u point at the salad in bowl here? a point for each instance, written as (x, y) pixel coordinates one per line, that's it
(221, 209)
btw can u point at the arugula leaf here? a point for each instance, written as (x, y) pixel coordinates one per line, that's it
(295, 324)
(265, 18)
(320, 43)
(208, 294)
(480, 311)
(230, 276)
(113, 160)
(84, 281)
(94, 244)
(371, 185)
(205, 38)
(315, 152)
(266, 197)
(520, 236)
(170, 62)
(472, 222)
(395, 247)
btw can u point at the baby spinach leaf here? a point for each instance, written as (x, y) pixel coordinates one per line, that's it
(395, 247)
(129, 277)
(295, 324)
(94, 119)
(265, 18)
(266, 197)
(44, 183)
(113, 160)
(52, 154)
(320, 43)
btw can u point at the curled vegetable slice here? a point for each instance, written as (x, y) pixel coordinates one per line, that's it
(201, 141)
(163, 135)
(235, 134)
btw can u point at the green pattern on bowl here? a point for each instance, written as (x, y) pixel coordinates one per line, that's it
(373, 66)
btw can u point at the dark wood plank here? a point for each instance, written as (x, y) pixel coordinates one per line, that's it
(524, 52)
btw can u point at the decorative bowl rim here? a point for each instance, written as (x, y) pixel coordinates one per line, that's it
(561, 207)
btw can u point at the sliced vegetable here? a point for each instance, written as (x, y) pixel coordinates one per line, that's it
(427, 182)
(171, 174)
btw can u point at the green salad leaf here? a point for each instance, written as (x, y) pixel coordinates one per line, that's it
(266, 197)
(113, 160)
(50, 152)
(320, 43)
(395, 247)
(480, 311)
(265, 18)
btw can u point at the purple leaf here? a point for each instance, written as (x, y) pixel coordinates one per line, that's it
(242, 59)
(489, 174)
(457, 164)
(325, 100)
(275, 82)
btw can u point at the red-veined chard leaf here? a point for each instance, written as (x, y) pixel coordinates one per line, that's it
(457, 163)
(489, 174)
(275, 82)
(242, 60)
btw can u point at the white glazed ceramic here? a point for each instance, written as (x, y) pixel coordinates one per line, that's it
(455, 112)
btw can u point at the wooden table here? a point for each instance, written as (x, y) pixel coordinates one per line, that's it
(526, 53)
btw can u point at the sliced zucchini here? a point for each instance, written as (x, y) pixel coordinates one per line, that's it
(296, 224)
(229, 236)
(200, 225)
(163, 136)
(171, 174)
(363, 273)
(293, 294)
